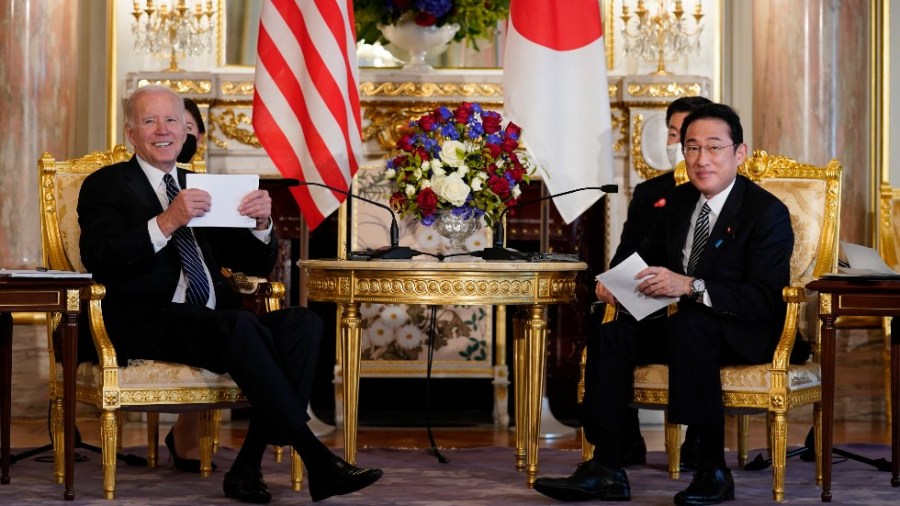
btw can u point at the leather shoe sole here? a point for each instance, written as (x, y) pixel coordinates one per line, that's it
(565, 493)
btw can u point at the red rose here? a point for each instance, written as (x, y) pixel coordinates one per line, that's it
(427, 122)
(499, 185)
(423, 155)
(463, 113)
(493, 149)
(516, 173)
(427, 201)
(400, 161)
(510, 144)
(490, 120)
(405, 143)
(513, 130)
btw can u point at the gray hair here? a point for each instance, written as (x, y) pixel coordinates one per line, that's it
(143, 90)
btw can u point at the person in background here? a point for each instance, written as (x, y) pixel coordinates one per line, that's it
(722, 246)
(166, 298)
(196, 131)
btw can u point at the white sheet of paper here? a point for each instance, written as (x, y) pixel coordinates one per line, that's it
(864, 261)
(620, 281)
(226, 191)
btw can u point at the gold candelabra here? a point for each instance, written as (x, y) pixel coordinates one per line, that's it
(177, 27)
(663, 33)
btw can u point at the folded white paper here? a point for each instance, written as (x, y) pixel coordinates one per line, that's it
(226, 191)
(620, 280)
(863, 261)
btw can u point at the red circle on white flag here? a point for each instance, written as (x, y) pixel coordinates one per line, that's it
(559, 25)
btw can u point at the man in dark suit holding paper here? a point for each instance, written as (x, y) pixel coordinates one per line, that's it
(730, 312)
(166, 299)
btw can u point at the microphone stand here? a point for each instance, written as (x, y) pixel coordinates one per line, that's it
(392, 252)
(498, 252)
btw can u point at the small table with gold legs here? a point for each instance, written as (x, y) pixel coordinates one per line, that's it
(531, 285)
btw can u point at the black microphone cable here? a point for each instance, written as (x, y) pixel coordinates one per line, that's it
(431, 337)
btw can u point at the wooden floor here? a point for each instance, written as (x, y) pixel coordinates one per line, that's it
(33, 433)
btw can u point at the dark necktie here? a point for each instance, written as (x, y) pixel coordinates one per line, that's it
(198, 284)
(701, 234)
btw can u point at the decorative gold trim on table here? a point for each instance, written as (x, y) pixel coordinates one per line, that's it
(180, 86)
(430, 90)
(664, 90)
(73, 300)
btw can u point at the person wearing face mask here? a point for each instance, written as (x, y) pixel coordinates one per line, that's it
(195, 129)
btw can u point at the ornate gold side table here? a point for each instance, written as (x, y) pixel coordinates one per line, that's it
(531, 285)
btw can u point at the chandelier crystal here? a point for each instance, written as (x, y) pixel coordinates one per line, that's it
(177, 27)
(661, 33)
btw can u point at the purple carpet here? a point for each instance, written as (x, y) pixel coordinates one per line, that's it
(475, 476)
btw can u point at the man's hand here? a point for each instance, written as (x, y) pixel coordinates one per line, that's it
(257, 205)
(604, 294)
(189, 203)
(662, 282)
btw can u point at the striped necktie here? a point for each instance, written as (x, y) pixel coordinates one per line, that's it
(191, 263)
(701, 234)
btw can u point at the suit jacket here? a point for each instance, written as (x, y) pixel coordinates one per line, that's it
(114, 206)
(643, 211)
(745, 264)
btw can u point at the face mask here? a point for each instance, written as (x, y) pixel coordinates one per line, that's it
(674, 153)
(189, 148)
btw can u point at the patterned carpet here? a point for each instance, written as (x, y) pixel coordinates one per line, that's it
(477, 476)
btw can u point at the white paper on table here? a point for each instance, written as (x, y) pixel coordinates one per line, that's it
(226, 191)
(864, 261)
(621, 282)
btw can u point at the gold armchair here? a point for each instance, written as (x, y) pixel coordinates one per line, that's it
(812, 195)
(147, 386)
(889, 247)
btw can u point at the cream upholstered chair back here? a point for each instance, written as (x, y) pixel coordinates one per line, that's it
(146, 385)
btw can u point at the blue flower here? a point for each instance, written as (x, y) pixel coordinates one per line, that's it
(449, 131)
(475, 130)
(429, 219)
(437, 8)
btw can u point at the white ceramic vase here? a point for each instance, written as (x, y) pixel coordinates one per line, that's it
(418, 40)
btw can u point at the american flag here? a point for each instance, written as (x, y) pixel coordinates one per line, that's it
(306, 111)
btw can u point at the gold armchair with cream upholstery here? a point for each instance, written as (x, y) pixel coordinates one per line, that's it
(812, 195)
(146, 386)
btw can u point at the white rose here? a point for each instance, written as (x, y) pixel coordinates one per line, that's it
(390, 173)
(462, 170)
(410, 190)
(451, 151)
(426, 183)
(476, 184)
(438, 169)
(471, 147)
(516, 191)
(452, 189)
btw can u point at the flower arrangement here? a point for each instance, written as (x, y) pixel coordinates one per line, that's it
(461, 160)
(476, 18)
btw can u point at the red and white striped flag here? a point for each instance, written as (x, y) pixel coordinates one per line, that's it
(554, 87)
(306, 110)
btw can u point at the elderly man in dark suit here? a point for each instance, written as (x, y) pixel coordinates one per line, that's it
(166, 299)
(723, 246)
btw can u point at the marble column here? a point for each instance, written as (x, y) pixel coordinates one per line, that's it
(38, 76)
(810, 95)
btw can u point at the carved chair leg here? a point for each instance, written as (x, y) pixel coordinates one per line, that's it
(120, 428)
(152, 438)
(108, 437)
(587, 449)
(58, 437)
(673, 448)
(296, 471)
(743, 435)
(279, 453)
(217, 426)
(207, 424)
(779, 454)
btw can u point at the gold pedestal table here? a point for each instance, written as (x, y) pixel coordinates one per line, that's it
(530, 285)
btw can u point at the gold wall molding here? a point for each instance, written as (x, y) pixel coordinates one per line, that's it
(229, 123)
(637, 156)
(409, 89)
(181, 86)
(237, 88)
(664, 90)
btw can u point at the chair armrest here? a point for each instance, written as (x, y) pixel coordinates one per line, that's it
(265, 295)
(105, 351)
(793, 296)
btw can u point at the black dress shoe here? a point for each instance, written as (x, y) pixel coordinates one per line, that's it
(711, 485)
(590, 482)
(340, 478)
(636, 454)
(246, 485)
(176, 462)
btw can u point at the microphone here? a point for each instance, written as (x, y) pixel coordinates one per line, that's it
(392, 252)
(498, 252)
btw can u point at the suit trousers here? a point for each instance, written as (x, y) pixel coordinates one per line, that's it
(690, 341)
(271, 357)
